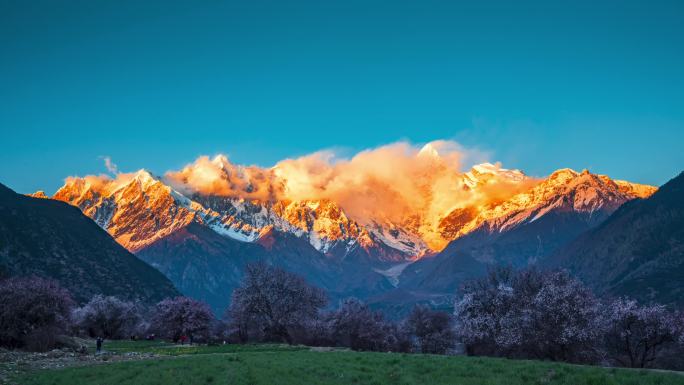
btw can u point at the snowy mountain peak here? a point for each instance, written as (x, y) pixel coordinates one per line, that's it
(484, 173)
(323, 222)
(138, 209)
(39, 194)
(563, 190)
(636, 189)
(144, 177)
(429, 150)
(80, 192)
(563, 175)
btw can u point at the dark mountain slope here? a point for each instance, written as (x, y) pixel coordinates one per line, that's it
(638, 251)
(470, 256)
(208, 266)
(523, 231)
(53, 239)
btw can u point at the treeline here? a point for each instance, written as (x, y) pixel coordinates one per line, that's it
(276, 306)
(532, 314)
(37, 315)
(526, 314)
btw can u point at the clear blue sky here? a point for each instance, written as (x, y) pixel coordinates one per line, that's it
(540, 85)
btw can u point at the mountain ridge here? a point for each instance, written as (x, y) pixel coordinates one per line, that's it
(323, 222)
(638, 251)
(52, 239)
(170, 230)
(525, 229)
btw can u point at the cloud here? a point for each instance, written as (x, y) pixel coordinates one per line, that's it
(218, 176)
(399, 183)
(409, 185)
(111, 166)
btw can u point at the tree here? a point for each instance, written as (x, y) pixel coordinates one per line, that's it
(237, 321)
(182, 316)
(107, 317)
(566, 320)
(486, 314)
(356, 326)
(636, 335)
(274, 302)
(433, 330)
(33, 312)
(530, 314)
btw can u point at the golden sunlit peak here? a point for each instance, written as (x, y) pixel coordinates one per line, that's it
(564, 171)
(143, 175)
(39, 194)
(221, 161)
(418, 189)
(428, 150)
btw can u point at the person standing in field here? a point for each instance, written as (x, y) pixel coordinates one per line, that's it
(98, 345)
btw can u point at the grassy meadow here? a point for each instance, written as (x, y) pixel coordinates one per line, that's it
(280, 364)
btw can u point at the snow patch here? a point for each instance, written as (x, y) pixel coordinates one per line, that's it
(393, 272)
(234, 233)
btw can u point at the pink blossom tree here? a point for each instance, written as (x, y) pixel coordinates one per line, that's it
(182, 316)
(486, 314)
(530, 314)
(274, 302)
(433, 330)
(107, 317)
(356, 326)
(637, 335)
(33, 312)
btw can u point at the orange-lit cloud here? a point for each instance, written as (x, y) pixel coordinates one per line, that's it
(103, 184)
(218, 176)
(396, 183)
(411, 186)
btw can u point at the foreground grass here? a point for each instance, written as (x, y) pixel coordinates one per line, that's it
(275, 364)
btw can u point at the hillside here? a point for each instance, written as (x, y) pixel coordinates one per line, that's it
(208, 266)
(52, 239)
(638, 251)
(141, 209)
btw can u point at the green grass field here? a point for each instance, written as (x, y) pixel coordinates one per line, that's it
(276, 364)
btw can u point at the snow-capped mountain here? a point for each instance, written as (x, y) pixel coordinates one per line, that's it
(201, 240)
(590, 195)
(637, 252)
(523, 229)
(484, 173)
(137, 212)
(460, 220)
(142, 210)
